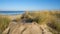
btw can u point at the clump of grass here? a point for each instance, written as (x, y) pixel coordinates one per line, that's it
(55, 21)
(39, 17)
(4, 21)
(45, 17)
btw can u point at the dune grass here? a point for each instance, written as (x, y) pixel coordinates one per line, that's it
(4, 21)
(41, 17)
(52, 17)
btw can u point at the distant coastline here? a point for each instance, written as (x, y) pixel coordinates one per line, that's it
(11, 12)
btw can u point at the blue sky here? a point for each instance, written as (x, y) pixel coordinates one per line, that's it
(21, 5)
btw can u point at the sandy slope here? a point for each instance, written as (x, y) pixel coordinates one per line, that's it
(27, 28)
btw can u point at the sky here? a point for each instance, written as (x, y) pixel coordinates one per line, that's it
(21, 5)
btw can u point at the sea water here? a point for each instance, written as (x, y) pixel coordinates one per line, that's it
(11, 12)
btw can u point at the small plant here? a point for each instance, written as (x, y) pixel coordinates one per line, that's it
(4, 22)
